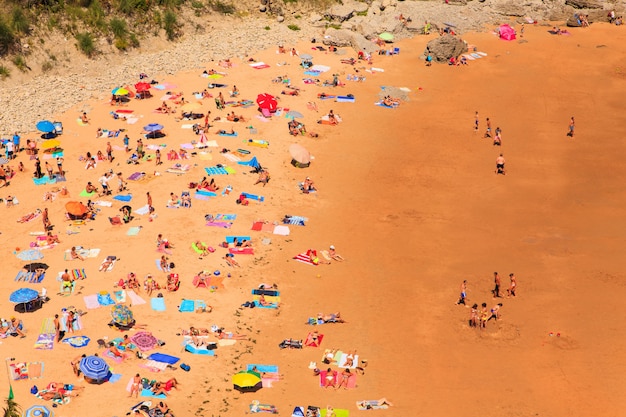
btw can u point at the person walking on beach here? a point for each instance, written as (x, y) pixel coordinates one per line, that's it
(140, 152)
(476, 122)
(109, 151)
(495, 312)
(60, 334)
(149, 197)
(473, 320)
(126, 141)
(500, 165)
(488, 131)
(570, 132)
(512, 286)
(46, 221)
(463, 295)
(496, 288)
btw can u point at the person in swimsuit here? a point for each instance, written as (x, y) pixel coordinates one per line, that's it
(345, 377)
(463, 293)
(329, 380)
(495, 312)
(512, 286)
(134, 388)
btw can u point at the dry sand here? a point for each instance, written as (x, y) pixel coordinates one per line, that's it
(410, 198)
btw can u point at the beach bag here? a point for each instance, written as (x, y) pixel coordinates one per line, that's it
(185, 367)
(34, 390)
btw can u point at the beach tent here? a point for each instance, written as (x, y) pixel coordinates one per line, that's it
(507, 32)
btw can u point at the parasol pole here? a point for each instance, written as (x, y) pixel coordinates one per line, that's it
(6, 362)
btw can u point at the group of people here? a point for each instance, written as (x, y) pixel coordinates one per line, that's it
(479, 318)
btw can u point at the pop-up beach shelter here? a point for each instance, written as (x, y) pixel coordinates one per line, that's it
(507, 33)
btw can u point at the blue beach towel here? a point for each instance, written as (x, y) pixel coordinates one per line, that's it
(345, 99)
(105, 299)
(187, 306)
(227, 134)
(124, 198)
(198, 350)
(163, 357)
(231, 239)
(218, 170)
(254, 197)
(150, 394)
(263, 368)
(158, 303)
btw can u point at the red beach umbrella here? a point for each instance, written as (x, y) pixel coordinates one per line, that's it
(140, 87)
(267, 101)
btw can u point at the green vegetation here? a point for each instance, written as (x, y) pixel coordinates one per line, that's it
(170, 24)
(221, 7)
(20, 21)
(12, 408)
(20, 62)
(267, 28)
(86, 43)
(293, 27)
(7, 38)
(4, 72)
(47, 66)
(363, 13)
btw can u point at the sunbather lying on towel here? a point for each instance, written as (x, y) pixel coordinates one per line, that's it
(230, 260)
(330, 318)
(30, 216)
(208, 185)
(221, 334)
(68, 390)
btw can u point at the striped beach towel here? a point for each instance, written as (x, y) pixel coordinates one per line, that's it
(45, 340)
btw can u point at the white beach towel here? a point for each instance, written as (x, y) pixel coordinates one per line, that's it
(134, 298)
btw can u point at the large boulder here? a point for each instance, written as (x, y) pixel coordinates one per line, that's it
(584, 4)
(343, 37)
(445, 47)
(340, 12)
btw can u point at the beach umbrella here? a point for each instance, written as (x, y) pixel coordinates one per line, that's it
(119, 91)
(34, 266)
(76, 208)
(94, 368)
(122, 315)
(30, 255)
(45, 126)
(190, 106)
(3, 161)
(142, 87)
(386, 36)
(153, 127)
(38, 411)
(306, 56)
(267, 101)
(247, 381)
(51, 144)
(292, 114)
(23, 295)
(299, 153)
(144, 340)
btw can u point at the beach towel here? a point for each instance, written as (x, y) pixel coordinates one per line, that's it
(227, 134)
(381, 104)
(370, 405)
(121, 197)
(226, 225)
(84, 193)
(272, 293)
(109, 268)
(77, 341)
(153, 366)
(91, 301)
(133, 231)
(149, 394)
(60, 400)
(219, 170)
(47, 333)
(241, 251)
(187, 306)
(76, 323)
(345, 99)
(142, 210)
(135, 299)
(157, 303)
(136, 176)
(258, 143)
(256, 407)
(110, 355)
(259, 65)
(304, 258)
(258, 198)
(162, 357)
(319, 68)
(313, 343)
(26, 370)
(120, 296)
(281, 230)
(298, 412)
(104, 299)
(44, 180)
(199, 350)
(259, 305)
(295, 220)
(262, 368)
(339, 412)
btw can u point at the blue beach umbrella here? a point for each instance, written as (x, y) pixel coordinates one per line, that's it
(95, 368)
(153, 127)
(30, 255)
(23, 295)
(38, 411)
(45, 126)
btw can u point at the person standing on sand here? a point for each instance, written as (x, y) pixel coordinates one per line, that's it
(140, 152)
(463, 295)
(488, 131)
(149, 197)
(484, 316)
(46, 221)
(496, 288)
(473, 320)
(495, 312)
(570, 133)
(60, 334)
(157, 158)
(126, 141)
(500, 165)
(109, 151)
(512, 286)
(134, 388)
(521, 31)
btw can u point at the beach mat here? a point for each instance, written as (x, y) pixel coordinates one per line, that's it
(163, 357)
(133, 231)
(47, 333)
(135, 299)
(198, 350)
(304, 258)
(157, 303)
(149, 394)
(91, 301)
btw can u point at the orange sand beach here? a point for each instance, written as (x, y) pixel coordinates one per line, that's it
(408, 196)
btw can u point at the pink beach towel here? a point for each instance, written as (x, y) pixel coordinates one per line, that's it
(91, 301)
(241, 251)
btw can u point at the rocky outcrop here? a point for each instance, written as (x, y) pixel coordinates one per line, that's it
(445, 47)
(584, 4)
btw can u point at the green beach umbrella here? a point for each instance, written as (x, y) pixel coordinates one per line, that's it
(386, 36)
